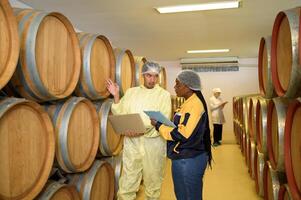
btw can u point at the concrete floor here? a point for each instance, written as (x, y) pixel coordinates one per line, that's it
(228, 180)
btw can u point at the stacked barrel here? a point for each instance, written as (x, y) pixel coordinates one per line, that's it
(176, 103)
(269, 124)
(55, 138)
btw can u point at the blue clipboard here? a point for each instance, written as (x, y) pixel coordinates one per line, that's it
(158, 116)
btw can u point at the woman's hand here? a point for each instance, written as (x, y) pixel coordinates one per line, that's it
(153, 122)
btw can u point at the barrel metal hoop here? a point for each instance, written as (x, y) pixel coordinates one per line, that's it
(119, 55)
(52, 189)
(8, 103)
(31, 58)
(87, 66)
(105, 110)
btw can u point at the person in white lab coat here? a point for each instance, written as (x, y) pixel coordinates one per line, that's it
(218, 119)
(144, 155)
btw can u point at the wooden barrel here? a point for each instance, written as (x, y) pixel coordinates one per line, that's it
(110, 143)
(176, 103)
(237, 132)
(285, 193)
(251, 157)
(95, 184)
(162, 78)
(240, 110)
(125, 69)
(116, 163)
(266, 86)
(258, 172)
(98, 65)
(246, 151)
(9, 41)
(245, 125)
(292, 146)
(285, 53)
(49, 62)
(139, 61)
(275, 132)
(252, 117)
(77, 133)
(235, 108)
(58, 191)
(245, 114)
(242, 139)
(27, 146)
(261, 125)
(239, 105)
(272, 180)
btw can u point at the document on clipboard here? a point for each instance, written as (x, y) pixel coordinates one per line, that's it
(158, 116)
(127, 123)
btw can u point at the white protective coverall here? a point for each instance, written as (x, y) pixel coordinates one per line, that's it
(143, 155)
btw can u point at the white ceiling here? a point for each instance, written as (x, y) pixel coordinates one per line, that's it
(135, 25)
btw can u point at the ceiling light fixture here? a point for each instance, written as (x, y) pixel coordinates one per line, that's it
(198, 7)
(209, 51)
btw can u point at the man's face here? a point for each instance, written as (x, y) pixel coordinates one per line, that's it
(150, 80)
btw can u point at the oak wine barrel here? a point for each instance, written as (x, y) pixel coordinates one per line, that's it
(292, 146)
(49, 61)
(9, 41)
(258, 172)
(77, 133)
(252, 117)
(251, 157)
(116, 163)
(125, 69)
(95, 184)
(98, 65)
(285, 54)
(110, 143)
(58, 191)
(275, 132)
(139, 61)
(27, 144)
(162, 78)
(285, 193)
(266, 86)
(261, 125)
(272, 180)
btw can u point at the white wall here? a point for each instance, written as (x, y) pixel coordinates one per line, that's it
(18, 4)
(244, 81)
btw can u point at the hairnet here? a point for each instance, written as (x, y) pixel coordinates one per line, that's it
(150, 67)
(190, 78)
(215, 90)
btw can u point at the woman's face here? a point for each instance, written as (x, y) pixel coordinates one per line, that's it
(180, 88)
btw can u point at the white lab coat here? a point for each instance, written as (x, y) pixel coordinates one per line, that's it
(217, 115)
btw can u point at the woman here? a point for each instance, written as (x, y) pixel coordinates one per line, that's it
(188, 145)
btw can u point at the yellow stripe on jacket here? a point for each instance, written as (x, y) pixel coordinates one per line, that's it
(190, 114)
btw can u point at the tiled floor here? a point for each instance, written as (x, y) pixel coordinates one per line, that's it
(228, 180)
